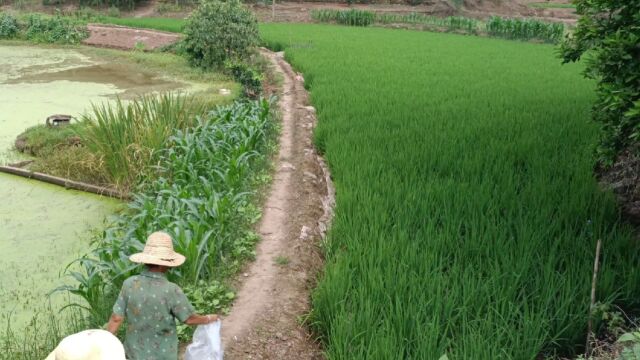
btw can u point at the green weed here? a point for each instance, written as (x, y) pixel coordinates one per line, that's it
(282, 260)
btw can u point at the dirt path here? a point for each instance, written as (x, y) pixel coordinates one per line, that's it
(121, 37)
(263, 323)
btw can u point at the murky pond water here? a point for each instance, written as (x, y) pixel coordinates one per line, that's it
(44, 227)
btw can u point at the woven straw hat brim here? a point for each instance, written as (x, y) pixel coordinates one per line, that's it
(172, 260)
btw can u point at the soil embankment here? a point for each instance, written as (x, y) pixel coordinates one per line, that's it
(274, 293)
(121, 37)
(480, 9)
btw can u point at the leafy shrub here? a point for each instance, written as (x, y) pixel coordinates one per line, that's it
(86, 13)
(631, 342)
(113, 11)
(56, 29)
(219, 31)
(8, 26)
(248, 76)
(609, 31)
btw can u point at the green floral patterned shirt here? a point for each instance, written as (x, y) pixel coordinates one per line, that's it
(150, 305)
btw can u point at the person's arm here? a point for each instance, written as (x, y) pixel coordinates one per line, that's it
(119, 309)
(114, 323)
(196, 319)
(184, 311)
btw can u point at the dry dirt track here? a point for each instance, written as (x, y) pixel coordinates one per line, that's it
(263, 323)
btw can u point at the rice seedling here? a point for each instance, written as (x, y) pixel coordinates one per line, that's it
(467, 213)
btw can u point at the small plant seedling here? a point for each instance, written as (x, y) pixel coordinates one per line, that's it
(139, 46)
(282, 260)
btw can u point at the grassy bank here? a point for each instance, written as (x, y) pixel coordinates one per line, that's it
(115, 143)
(467, 213)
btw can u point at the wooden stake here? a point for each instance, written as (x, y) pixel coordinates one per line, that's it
(594, 281)
(66, 183)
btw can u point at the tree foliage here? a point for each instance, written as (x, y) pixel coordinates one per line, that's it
(218, 31)
(608, 36)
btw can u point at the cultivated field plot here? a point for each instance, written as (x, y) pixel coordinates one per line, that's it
(467, 213)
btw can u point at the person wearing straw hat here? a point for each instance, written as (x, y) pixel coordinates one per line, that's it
(151, 304)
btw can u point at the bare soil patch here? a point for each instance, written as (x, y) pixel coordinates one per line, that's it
(483, 9)
(274, 291)
(121, 37)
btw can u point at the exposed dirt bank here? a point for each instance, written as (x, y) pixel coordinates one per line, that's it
(120, 37)
(274, 294)
(481, 9)
(623, 178)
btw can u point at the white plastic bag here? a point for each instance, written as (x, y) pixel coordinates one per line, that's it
(206, 343)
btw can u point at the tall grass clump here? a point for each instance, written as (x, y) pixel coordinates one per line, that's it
(127, 135)
(450, 23)
(8, 26)
(351, 17)
(525, 29)
(201, 194)
(467, 211)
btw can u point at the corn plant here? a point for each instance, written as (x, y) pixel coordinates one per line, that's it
(201, 194)
(350, 17)
(525, 29)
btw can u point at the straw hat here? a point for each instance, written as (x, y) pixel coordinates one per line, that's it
(158, 251)
(89, 345)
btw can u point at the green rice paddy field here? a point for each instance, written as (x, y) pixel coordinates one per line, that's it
(467, 211)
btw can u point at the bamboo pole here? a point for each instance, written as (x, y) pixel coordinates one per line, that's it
(594, 280)
(66, 183)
